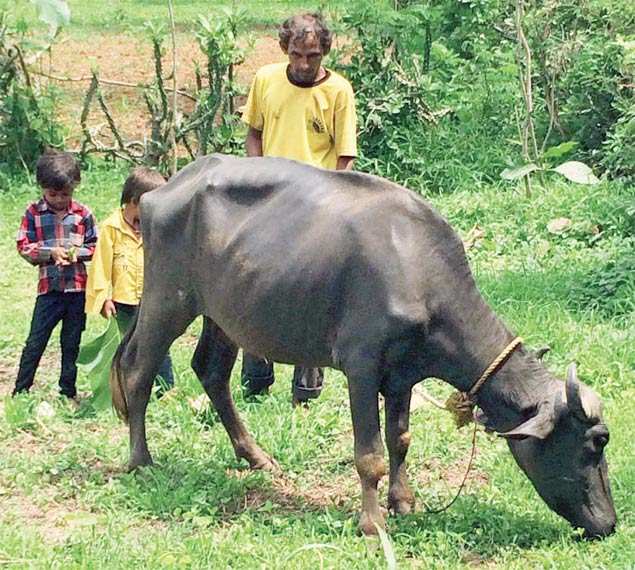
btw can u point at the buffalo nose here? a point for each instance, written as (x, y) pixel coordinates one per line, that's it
(599, 531)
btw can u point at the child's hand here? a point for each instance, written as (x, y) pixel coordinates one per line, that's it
(108, 309)
(59, 256)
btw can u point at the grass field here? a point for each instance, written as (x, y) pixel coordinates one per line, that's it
(90, 16)
(66, 503)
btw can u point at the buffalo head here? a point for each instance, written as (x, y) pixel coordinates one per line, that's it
(561, 449)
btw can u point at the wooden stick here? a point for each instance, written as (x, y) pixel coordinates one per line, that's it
(108, 82)
(174, 90)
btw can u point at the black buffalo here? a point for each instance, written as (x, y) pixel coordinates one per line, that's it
(321, 268)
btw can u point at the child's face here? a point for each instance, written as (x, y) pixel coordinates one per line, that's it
(131, 214)
(58, 200)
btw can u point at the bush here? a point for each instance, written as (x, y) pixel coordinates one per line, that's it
(430, 117)
(27, 119)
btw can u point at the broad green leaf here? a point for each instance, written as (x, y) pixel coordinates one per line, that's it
(95, 358)
(560, 150)
(386, 545)
(54, 13)
(577, 172)
(519, 171)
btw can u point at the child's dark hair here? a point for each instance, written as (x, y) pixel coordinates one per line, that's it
(140, 181)
(57, 170)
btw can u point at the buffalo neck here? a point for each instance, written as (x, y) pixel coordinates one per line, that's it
(468, 338)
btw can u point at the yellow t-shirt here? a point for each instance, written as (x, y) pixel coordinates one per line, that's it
(116, 270)
(315, 124)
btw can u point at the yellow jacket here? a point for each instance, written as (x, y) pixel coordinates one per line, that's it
(116, 271)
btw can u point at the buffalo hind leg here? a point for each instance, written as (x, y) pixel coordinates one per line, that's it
(141, 359)
(369, 451)
(400, 496)
(213, 361)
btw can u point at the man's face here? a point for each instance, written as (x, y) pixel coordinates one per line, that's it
(58, 200)
(305, 58)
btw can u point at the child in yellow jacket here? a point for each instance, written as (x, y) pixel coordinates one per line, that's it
(115, 277)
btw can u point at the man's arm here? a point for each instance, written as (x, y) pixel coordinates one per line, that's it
(345, 162)
(253, 142)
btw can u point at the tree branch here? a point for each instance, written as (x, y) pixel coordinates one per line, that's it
(109, 82)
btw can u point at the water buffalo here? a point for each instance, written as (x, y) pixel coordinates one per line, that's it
(321, 268)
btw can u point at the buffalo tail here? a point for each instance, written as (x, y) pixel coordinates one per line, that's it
(117, 391)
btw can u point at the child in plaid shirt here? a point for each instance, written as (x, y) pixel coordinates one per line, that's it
(57, 235)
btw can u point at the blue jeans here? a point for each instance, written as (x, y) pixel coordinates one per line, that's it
(50, 309)
(165, 375)
(257, 376)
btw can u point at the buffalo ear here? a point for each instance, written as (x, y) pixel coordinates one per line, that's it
(540, 353)
(538, 426)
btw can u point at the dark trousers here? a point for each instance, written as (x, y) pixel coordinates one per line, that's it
(165, 376)
(257, 376)
(50, 309)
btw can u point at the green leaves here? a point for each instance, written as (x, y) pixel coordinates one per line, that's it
(576, 172)
(95, 358)
(572, 170)
(560, 150)
(519, 171)
(54, 13)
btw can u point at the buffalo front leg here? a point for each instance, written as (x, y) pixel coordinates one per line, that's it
(213, 361)
(369, 451)
(400, 496)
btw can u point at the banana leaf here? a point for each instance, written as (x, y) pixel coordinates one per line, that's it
(95, 358)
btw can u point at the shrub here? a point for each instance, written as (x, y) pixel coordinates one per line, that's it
(27, 119)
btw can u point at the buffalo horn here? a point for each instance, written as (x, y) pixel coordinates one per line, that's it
(574, 400)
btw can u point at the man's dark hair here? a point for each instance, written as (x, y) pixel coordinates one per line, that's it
(299, 26)
(57, 170)
(140, 181)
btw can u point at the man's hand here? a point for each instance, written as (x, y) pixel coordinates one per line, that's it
(345, 163)
(60, 256)
(253, 142)
(108, 309)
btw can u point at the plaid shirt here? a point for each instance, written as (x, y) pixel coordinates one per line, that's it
(42, 230)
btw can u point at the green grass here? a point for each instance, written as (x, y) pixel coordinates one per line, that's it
(116, 16)
(65, 502)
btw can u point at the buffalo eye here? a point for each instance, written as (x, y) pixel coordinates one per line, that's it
(599, 437)
(600, 440)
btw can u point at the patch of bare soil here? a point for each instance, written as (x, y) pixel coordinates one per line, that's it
(288, 496)
(129, 59)
(450, 476)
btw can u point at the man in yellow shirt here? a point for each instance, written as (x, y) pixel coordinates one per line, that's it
(303, 111)
(115, 276)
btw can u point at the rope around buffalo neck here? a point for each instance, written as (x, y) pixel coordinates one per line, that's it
(461, 404)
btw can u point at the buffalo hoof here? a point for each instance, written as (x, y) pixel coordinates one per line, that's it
(401, 506)
(134, 464)
(264, 462)
(369, 525)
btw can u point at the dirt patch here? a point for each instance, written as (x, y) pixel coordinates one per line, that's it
(53, 520)
(129, 59)
(450, 477)
(289, 497)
